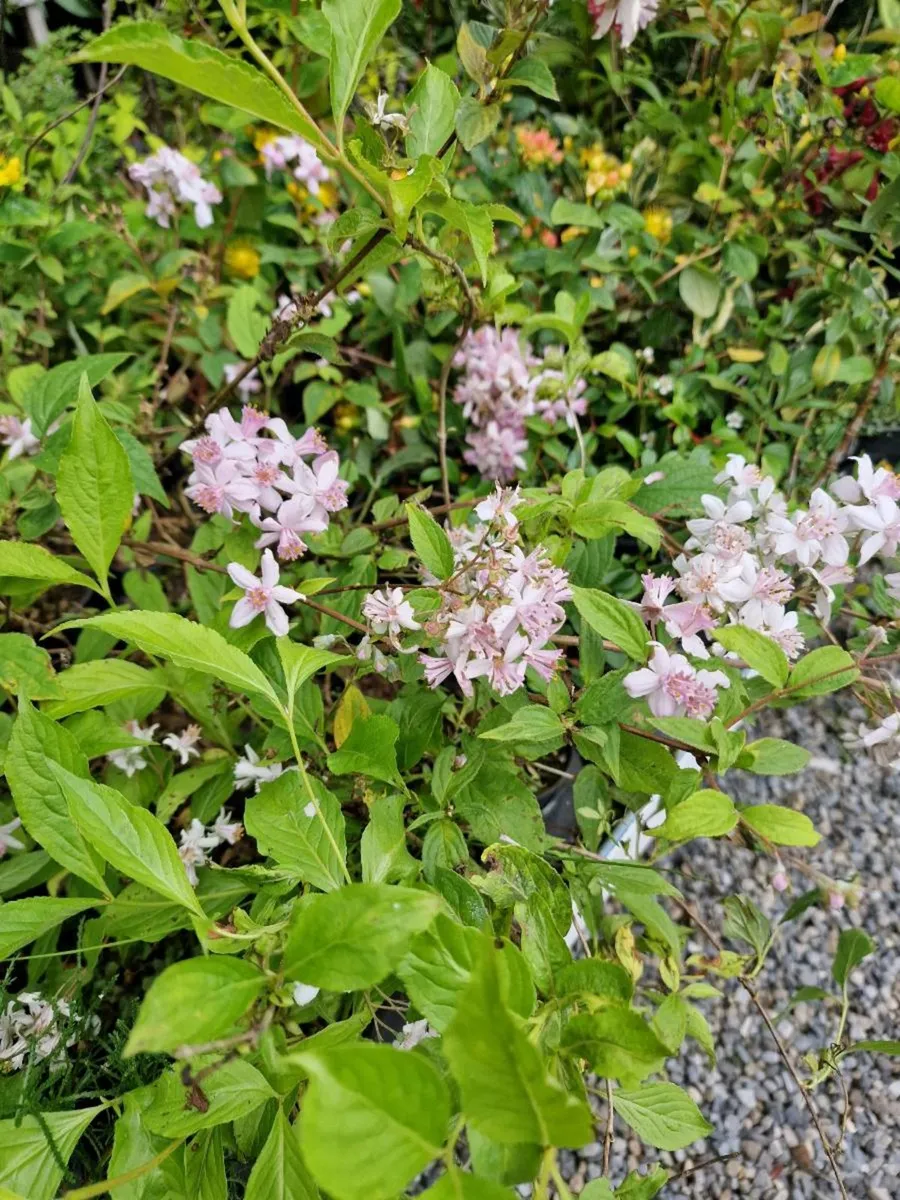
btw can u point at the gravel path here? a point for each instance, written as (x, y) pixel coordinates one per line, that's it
(748, 1096)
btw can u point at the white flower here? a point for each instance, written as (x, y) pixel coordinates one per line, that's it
(883, 741)
(628, 17)
(378, 117)
(664, 385)
(808, 536)
(7, 841)
(183, 744)
(250, 383)
(250, 770)
(870, 484)
(18, 437)
(776, 622)
(130, 759)
(413, 1033)
(304, 993)
(500, 504)
(227, 830)
(195, 842)
(387, 612)
(263, 595)
(735, 420)
(882, 519)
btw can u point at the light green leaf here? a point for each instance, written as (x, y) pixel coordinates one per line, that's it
(757, 650)
(430, 542)
(280, 1172)
(875, 1046)
(432, 108)
(535, 75)
(29, 1164)
(193, 1002)
(598, 518)
(305, 835)
(130, 838)
(187, 644)
(22, 921)
(613, 620)
(246, 325)
(204, 69)
(26, 668)
(357, 27)
(232, 1091)
(567, 212)
(475, 121)
(408, 190)
(708, 813)
(37, 743)
(204, 1167)
(773, 756)
(102, 681)
(302, 662)
(662, 1115)
(94, 488)
(853, 946)
(821, 671)
(699, 290)
(382, 848)
(354, 937)
(50, 395)
(369, 750)
(392, 1109)
(456, 1185)
(617, 1042)
(506, 1091)
(22, 560)
(531, 723)
(783, 826)
(123, 288)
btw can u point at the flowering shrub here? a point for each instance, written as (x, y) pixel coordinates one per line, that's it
(388, 438)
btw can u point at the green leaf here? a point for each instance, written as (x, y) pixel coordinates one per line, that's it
(532, 723)
(246, 325)
(699, 289)
(304, 834)
(26, 668)
(456, 1185)
(143, 472)
(853, 947)
(613, 620)
(22, 921)
(204, 69)
(821, 671)
(102, 681)
(204, 1167)
(357, 27)
(382, 848)
(51, 394)
(708, 813)
(31, 1164)
(432, 108)
(232, 1091)
(21, 560)
(302, 662)
(875, 1046)
(193, 1002)
(475, 121)
(598, 518)
(783, 826)
(474, 220)
(430, 542)
(123, 288)
(392, 1109)
(757, 650)
(662, 1115)
(617, 1042)
(506, 1091)
(354, 937)
(187, 644)
(369, 750)
(280, 1172)
(885, 206)
(408, 190)
(36, 745)
(773, 756)
(745, 922)
(130, 838)
(567, 212)
(535, 75)
(596, 977)
(94, 488)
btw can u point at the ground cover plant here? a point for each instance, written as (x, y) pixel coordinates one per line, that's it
(432, 439)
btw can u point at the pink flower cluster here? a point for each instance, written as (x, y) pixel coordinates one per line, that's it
(498, 610)
(747, 559)
(171, 178)
(504, 384)
(309, 169)
(257, 466)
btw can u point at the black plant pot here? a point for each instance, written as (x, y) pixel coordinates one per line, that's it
(558, 802)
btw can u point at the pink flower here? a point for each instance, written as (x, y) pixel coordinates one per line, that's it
(220, 489)
(250, 383)
(686, 621)
(320, 481)
(656, 590)
(169, 176)
(500, 504)
(870, 484)
(388, 612)
(780, 881)
(818, 533)
(262, 596)
(673, 687)
(628, 17)
(18, 437)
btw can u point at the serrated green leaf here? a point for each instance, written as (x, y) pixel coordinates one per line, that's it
(663, 1115)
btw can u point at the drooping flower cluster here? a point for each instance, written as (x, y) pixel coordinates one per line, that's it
(308, 169)
(627, 17)
(747, 559)
(30, 1029)
(502, 385)
(170, 180)
(199, 840)
(498, 610)
(238, 467)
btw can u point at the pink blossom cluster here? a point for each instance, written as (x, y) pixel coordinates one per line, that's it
(502, 385)
(627, 17)
(171, 178)
(257, 466)
(748, 558)
(498, 609)
(308, 168)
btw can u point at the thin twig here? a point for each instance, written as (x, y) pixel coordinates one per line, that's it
(610, 1121)
(65, 117)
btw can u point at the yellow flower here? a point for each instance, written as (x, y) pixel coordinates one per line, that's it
(633, 252)
(658, 224)
(262, 137)
(328, 195)
(296, 191)
(573, 231)
(840, 53)
(242, 260)
(10, 171)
